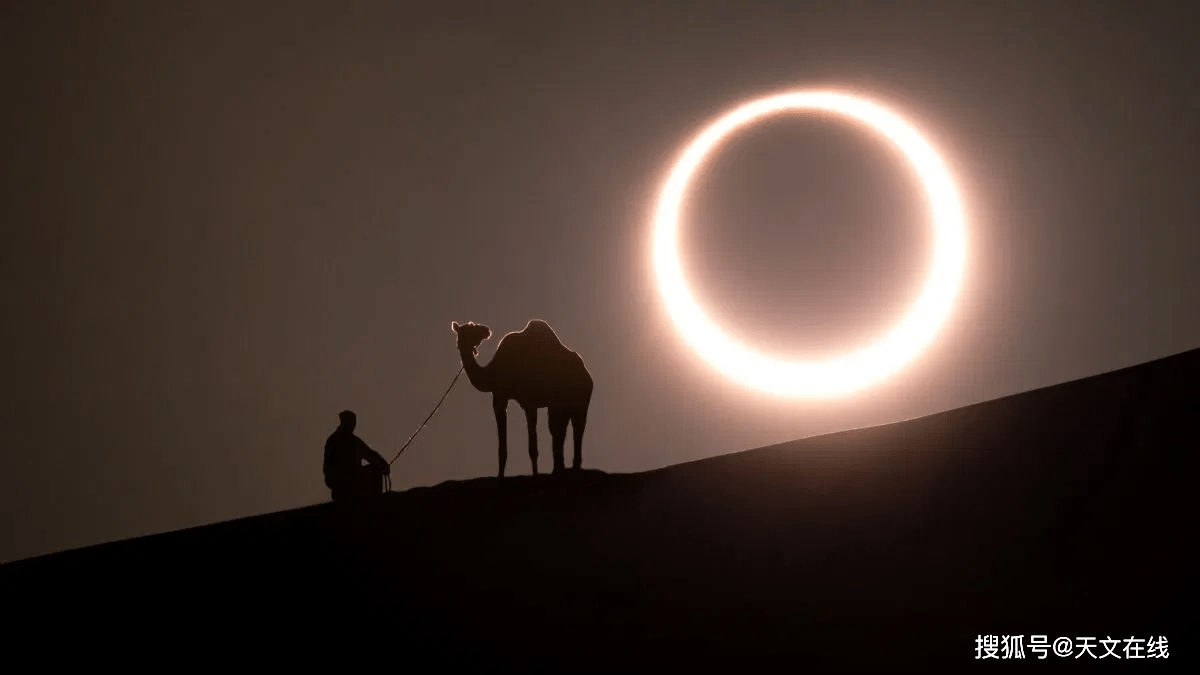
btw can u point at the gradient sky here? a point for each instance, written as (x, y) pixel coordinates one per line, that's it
(226, 222)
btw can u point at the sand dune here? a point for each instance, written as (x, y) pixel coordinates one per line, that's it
(1060, 511)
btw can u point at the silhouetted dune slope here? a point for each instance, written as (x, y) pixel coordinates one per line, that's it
(1065, 511)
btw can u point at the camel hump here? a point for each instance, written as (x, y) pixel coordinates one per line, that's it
(541, 330)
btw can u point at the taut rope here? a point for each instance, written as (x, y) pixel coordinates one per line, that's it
(388, 479)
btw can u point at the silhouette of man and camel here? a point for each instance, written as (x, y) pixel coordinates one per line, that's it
(531, 367)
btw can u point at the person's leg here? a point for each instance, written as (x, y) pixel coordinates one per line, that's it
(347, 488)
(370, 482)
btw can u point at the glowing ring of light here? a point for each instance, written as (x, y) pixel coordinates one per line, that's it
(865, 366)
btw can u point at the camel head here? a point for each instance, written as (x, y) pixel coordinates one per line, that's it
(470, 335)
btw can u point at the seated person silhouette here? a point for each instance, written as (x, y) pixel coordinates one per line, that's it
(345, 474)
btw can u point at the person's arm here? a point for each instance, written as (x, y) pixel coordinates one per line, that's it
(374, 458)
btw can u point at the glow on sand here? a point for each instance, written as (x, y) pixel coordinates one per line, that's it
(855, 370)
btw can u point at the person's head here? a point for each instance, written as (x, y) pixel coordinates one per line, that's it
(348, 419)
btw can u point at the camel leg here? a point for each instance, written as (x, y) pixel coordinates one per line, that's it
(558, 436)
(531, 422)
(501, 410)
(578, 423)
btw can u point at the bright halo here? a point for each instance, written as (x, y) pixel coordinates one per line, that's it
(858, 369)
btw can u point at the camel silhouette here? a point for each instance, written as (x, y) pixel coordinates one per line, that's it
(536, 370)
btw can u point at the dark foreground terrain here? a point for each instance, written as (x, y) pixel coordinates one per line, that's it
(1064, 511)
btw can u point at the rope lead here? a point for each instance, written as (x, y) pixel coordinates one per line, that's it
(387, 480)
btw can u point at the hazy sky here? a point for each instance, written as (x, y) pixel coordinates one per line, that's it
(226, 222)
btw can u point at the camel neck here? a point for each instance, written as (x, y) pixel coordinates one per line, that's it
(477, 374)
